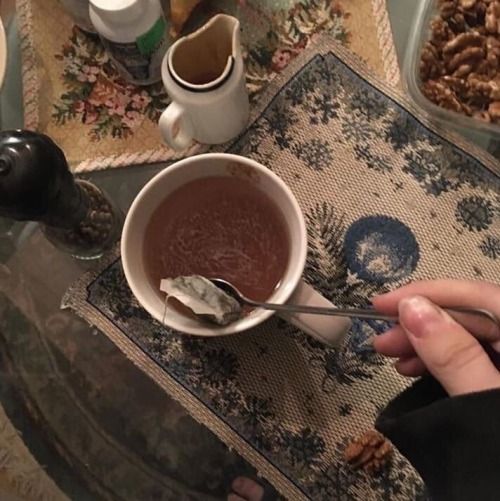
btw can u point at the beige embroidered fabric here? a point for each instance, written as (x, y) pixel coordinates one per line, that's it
(387, 200)
(72, 93)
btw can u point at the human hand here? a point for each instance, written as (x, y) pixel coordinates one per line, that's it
(428, 339)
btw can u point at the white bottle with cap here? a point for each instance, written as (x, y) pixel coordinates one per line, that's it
(134, 33)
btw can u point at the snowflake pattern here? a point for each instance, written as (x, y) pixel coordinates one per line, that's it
(399, 131)
(304, 448)
(358, 131)
(330, 79)
(323, 108)
(380, 163)
(256, 412)
(228, 400)
(474, 213)
(490, 247)
(219, 366)
(369, 104)
(279, 122)
(345, 409)
(342, 367)
(316, 154)
(299, 90)
(428, 169)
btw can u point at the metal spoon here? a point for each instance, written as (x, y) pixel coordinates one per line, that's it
(482, 324)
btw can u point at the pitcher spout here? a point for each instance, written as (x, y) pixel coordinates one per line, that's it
(216, 46)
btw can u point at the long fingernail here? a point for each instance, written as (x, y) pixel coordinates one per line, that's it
(417, 313)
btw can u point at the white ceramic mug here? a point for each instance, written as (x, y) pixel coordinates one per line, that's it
(204, 75)
(329, 330)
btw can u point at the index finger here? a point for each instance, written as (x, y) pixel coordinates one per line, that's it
(474, 294)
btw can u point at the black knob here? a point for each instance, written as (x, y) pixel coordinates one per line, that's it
(35, 181)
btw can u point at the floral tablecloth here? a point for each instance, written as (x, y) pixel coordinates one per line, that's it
(387, 199)
(73, 94)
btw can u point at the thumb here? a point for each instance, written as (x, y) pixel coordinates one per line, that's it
(452, 355)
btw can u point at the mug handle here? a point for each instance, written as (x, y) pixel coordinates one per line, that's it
(329, 330)
(176, 127)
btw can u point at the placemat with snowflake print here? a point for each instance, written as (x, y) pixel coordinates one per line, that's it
(73, 94)
(387, 200)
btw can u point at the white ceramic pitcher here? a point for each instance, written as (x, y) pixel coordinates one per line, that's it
(205, 78)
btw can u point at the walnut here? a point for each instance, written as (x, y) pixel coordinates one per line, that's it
(492, 18)
(493, 52)
(495, 90)
(484, 68)
(448, 9)
(463, 70)
(492, 43)
(474, 16)
(457, 22)
(494, 110)
(431, 65)
(479, 87)
(477, 76)
(463, 41)
(441, 32)
(481, 90)
(370, 451)
(471, 56)
(478, 93)
(481, 9)
(442, 95)
(458, 85)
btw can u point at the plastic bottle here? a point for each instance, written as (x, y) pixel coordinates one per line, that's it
(135, 34)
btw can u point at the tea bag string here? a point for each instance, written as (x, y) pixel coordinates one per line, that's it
(165, 309)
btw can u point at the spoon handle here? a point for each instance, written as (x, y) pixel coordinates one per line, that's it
(480, 323)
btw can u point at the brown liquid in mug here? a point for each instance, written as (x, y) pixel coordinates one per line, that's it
(219, 227)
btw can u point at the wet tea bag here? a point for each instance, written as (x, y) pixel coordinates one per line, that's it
(203, 298)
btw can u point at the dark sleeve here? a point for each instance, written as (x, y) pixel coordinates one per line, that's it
(454, 443)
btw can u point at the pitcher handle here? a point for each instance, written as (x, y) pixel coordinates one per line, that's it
(176, 127)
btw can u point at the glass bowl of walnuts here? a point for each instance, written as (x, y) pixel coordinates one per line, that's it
(452, 64)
